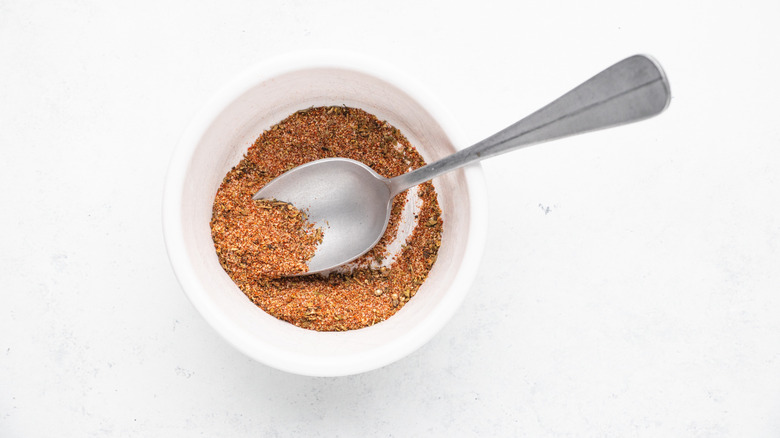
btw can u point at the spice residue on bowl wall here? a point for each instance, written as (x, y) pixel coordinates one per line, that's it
(258, 243)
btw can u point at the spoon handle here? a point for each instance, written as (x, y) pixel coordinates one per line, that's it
(631, 90)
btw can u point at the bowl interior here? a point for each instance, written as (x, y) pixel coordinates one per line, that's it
(218, 143)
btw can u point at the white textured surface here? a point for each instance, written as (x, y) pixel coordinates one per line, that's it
(631, 283)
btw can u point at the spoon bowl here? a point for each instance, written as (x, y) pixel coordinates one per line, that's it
(346, 198)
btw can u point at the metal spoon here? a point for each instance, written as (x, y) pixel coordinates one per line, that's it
(352, 202)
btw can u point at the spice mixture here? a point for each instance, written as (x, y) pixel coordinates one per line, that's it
(259, 242)
(267, 238)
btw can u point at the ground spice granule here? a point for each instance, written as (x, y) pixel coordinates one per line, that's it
(366, 295)
(261, 238)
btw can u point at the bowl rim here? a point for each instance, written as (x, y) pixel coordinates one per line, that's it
(172, 219)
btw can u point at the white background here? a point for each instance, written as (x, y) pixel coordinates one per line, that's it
(631, 280)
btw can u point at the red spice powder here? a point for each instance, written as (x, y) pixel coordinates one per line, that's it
(261, 238)
(257, 244)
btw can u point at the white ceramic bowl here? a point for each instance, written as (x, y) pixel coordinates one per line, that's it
(216, 140)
